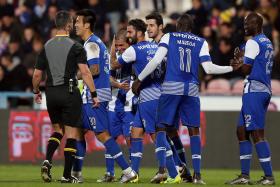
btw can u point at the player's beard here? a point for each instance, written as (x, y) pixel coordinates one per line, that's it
(132, 41)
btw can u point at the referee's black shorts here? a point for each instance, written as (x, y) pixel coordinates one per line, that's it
(63, 107)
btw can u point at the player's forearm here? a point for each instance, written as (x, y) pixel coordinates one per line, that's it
(211, 68)
(87, 77)
(114, 82)
(152, 65)
(94, 69)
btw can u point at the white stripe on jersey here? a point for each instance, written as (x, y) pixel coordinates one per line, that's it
(103, 94)
(149, 94)
(173, 88)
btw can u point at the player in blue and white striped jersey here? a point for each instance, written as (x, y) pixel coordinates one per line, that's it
(185, 52)
(120, 107)
(96, 119)
(139, 54)
(258, 61)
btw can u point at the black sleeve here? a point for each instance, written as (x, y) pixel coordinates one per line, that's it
(42, 61)
(80, 53)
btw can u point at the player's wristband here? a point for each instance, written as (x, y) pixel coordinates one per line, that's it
(93, 94)
(36, 92)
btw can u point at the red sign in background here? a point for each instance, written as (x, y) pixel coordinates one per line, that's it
(29, 133)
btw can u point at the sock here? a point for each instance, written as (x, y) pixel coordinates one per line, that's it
(109, 164)
(53, 144)
(136, 153)
(245, 151)
(80, 154)
(196, 153)
(179, 148)
(263, 152)
(170, 164)
(161, 149)
(69, 153)
(114, 150)
(176, 158)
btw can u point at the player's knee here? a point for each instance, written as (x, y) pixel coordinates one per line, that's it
(103, 136)
(193, 131)
(158, 129)
(172, 132)
(57, 128)
(137, 132)
(242, 134)
(257, 136)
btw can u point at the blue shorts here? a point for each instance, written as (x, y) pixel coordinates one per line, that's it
(254, 107)
(95, 119)
(120, 123)
(171, 107)
(145, 116)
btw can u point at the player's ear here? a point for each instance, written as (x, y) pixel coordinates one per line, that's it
(160, 27)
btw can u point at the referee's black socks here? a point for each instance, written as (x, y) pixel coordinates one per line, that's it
(53, 144)
(69, 155)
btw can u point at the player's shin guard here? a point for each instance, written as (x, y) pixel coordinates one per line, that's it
(69, 153)
(79, 158)
(53, 144)
(196, 153)
(245, 151)
(263, 152)
(170, 164)
(109, 164)
(161, 148)
(136, 153)
(114, 150)
(179, 148)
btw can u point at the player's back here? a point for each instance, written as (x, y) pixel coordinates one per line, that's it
(183, 58)
(262, 63)
(102, 81)
(150, 87)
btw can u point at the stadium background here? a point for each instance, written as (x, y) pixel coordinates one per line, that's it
(26, 24)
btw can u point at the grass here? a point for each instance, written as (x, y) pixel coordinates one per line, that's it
(29, 176)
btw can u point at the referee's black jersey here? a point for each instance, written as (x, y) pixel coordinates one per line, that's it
(60, 58)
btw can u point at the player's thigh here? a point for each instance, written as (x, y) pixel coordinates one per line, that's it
(127, 121)
(72, 110)
(167, 113)
(189, 111)
(146, 116)
(115, 126)
(254, 107)
(55, 104)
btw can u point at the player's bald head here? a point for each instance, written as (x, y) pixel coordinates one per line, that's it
(184, 23)
(253, 23)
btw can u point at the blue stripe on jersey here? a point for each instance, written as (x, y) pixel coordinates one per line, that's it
(248, 60)
(93, 61)
(205, 58)
(163, 45)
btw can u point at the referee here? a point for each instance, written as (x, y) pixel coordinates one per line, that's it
(61, 57)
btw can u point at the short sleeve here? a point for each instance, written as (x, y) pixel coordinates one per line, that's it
(252, 49)
(93, 51)
(164, 42)
(128, 56)
(204, 55)
(42, 61)
(80, 54)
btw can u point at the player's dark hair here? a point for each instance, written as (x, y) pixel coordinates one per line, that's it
(156, 16)
(88, 17)
(62, 18)
(184, 23)
(138, 24)
(121, 34)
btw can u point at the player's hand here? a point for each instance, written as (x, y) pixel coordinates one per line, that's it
(95, 102)
(136, 87)
(38, 97)
(125, 86)
(235, 64)
(113, 48)
(238, 55)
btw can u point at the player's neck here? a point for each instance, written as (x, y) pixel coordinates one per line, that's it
(87, 35)
(158, 37)
(140, 39)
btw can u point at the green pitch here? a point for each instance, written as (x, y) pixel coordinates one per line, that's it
(29, 176)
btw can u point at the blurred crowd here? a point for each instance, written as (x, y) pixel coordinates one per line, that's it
(26, 24)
